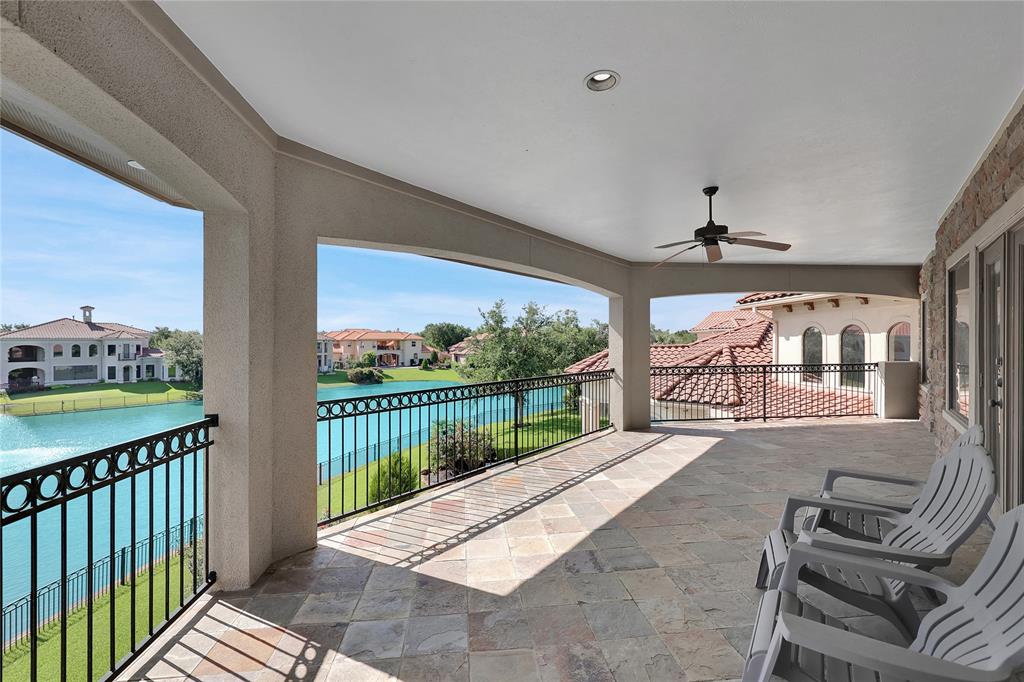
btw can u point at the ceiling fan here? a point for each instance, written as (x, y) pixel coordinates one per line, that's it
(712, 236)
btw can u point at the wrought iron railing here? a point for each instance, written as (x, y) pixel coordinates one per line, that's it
(740, 392)
(67, 523)
(377, 450)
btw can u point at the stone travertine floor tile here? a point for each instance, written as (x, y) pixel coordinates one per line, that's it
(629, 556)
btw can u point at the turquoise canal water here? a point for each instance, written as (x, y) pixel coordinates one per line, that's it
(27, 442)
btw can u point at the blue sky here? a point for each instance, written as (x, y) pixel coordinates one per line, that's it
(71, 237)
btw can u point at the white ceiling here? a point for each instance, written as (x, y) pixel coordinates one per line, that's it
(844, 128)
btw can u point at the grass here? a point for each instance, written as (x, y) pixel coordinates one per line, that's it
(340, 378)
(543, 430)
(17, 661)
(95, 396)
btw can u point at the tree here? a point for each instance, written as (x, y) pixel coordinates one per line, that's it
(666, 336)
(394, 476)
(433, 357)
(160, 336)
(184, 350)
(15, 326)
(443, 335)
(368, 359)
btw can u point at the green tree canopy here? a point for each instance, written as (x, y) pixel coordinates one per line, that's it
(12, 326)
(184, 350)
(665, 336)
(442, 335)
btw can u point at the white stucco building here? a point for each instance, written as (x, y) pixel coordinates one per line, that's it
(72, 351)
(831, 328)
(324, 354)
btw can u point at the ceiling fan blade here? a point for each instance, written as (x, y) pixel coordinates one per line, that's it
(761, 244)
(662, 262)
(714, 252)
(671, 244)
(745, 234)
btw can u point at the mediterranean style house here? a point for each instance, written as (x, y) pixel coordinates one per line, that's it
(822, 328)
(72, 351)
(393, 349)
(324, 354)
(460, 352)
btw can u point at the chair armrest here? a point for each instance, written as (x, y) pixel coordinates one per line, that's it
(874, 550)
(902, 507)
(888, 659)
(801, 554)
(834, 474)
(795, 503)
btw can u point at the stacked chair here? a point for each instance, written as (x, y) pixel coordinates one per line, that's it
(872, 551)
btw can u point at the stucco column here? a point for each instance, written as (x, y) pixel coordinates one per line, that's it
(236, 351)
(629, 342)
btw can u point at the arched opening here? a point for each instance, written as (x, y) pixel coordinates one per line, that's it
(851, 352)
(25, 379)
(93, 350)
(898, 342)
(76, 351)
(811, 353)
(26, 353)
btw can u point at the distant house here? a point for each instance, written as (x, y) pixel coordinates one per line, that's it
(711, 390)
(324, 354)
(461, 351)
(719, 321)
(833, 328)
(392, 348)
(71, 351)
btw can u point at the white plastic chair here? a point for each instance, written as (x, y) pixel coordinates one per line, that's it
(952, 504)
(977, 635)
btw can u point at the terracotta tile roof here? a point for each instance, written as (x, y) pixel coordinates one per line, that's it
(738, 391)
(758, 296)
(464, 346)
(70, 328)
(361, 334)
(722, 320)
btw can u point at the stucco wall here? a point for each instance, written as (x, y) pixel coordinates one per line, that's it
(997, 178)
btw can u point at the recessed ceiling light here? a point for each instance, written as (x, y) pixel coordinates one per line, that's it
(135, 164)
(602, 80)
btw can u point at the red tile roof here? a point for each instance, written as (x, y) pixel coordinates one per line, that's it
(372, 335)
(744, 393)
(70, 328)
(758, 296)
(466, 345)
(721, 320)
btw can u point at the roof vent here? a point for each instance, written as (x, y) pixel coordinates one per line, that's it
(87, 313)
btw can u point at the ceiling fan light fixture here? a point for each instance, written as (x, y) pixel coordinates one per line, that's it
(601, 80)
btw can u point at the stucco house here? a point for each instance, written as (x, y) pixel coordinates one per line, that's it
(815, 328)
(73, 351)
(461, 351)
(393, 348)
(324, 354)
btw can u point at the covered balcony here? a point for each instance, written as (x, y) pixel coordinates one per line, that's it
(883, 142)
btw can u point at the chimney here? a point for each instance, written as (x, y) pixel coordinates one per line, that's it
(87, 314)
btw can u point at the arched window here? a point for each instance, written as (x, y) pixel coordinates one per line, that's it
(93, 350)
(76, 351)
(899, 342)
(812, 353)
(58, 350)
(851, 352)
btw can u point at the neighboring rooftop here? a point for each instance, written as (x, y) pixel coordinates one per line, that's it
(466, 344)
(70, 328)
(724, 320)
(371, 335)
(760, 296)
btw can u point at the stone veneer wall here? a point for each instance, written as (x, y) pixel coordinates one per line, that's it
(999, 176)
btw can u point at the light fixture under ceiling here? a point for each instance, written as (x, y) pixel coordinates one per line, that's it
(602, 80)
(135, 164)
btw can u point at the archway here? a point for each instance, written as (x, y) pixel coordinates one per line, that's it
(25, 379)
(26, 353)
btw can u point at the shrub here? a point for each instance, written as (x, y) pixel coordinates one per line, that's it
(368, 359)
(433, 357)
(424, 364)
(366, 375)
(394, 477)
(456, 447)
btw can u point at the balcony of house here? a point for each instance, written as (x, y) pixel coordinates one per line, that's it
(620, 556)
(26, 353)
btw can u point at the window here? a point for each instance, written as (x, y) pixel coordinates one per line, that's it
(958, 332)
(149, 371)
(112, 373)
(811, 353)
(899, 342)
(413, 344)
(138, 371)
(93, 350)
(58, 350)
(172, 372)
(111, 351)
(75, 373)
(851, 352)
(76, 351)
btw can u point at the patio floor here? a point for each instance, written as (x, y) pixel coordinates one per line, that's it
(627, 556)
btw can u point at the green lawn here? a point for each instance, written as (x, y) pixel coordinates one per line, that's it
(340, 378)
(96, 396)
(17, 661)
(542, 430)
